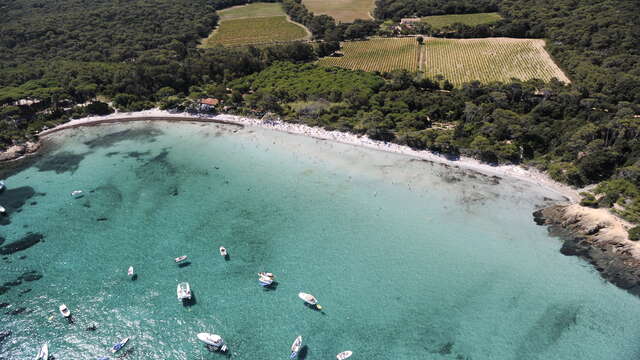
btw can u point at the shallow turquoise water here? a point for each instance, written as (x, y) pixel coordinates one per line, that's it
(410, 260)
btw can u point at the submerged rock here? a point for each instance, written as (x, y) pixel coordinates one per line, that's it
(17, 311)
(598, 237)
(26, 242)
(32, 275)
(4, 335)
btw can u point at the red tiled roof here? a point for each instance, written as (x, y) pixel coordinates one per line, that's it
(210, 101)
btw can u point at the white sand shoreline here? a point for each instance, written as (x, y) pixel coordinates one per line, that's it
(532, 176)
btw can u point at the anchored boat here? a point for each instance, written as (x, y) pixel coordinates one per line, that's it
(213, 340)
(184, 291)
(130, 271)
(76, 193)
(295, 348)
(3, 186)
(181, 258)
(265, 278)
(64, 311)
(119, 345)
(344, 355)
(309, 299)
(223, 251)
(43, 353)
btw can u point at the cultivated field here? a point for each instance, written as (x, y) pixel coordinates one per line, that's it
(253, 10)
(257, 23)
(440, 21)
(377, 54)
(341, 10)
(490, 59)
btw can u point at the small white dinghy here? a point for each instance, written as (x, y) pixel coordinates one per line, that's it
(223, 251)
(43, 354)
(309, 299)
(64, 311)
(181, 258)
(76, 193)
(130, 271)
(344, 355)
(295, 347)
(213, 340)
(184, 291)
(2, 210)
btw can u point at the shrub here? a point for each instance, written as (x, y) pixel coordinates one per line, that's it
(634, 233)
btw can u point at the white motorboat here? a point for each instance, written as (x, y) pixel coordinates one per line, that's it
(130, 271)
(64, 311)
(181, 258)
(295, 347)
(2, 210)
(223, 251)
(43, 354)
(119, 345)
(184, 291)
(76, 193)
(309, 299)
(344, 355)
(265, 281)
(213, 340)
(267, 275)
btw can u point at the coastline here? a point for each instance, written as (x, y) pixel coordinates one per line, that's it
(531, 176)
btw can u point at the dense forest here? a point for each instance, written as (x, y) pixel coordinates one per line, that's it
(70, 57)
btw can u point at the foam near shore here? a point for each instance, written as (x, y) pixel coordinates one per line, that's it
(532, 176)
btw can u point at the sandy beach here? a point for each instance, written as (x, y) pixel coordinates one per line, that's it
(532, 176)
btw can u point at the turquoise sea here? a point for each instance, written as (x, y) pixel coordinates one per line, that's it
(410, 259)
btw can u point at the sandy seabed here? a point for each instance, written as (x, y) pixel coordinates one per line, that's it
(532, 176)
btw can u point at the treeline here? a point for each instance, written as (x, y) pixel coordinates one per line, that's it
(398, 9)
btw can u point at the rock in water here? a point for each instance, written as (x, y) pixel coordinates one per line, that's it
(26, 242)
(4, 334)
(31, 276)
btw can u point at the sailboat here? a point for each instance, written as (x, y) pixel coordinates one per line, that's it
(119, 345)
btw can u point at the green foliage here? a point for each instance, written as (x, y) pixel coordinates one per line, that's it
(634, 233)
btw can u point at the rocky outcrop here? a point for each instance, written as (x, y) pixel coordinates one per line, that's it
(16, 151)
(599, 237)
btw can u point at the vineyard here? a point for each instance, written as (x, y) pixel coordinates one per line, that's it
(439, 21)
(253, 24)
(377, 54)
(490, 59)
(341, 10)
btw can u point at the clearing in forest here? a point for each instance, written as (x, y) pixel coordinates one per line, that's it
(377, 54)
(253, 24)
(490, 59)
(342, 10)
(440, 21)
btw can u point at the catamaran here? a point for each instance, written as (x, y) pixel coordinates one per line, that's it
(64, 311)
(310, 299)
(214, 341)
(295, 348)
(119, 345)
(184, 291)
(43, 354)
(344, 355)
